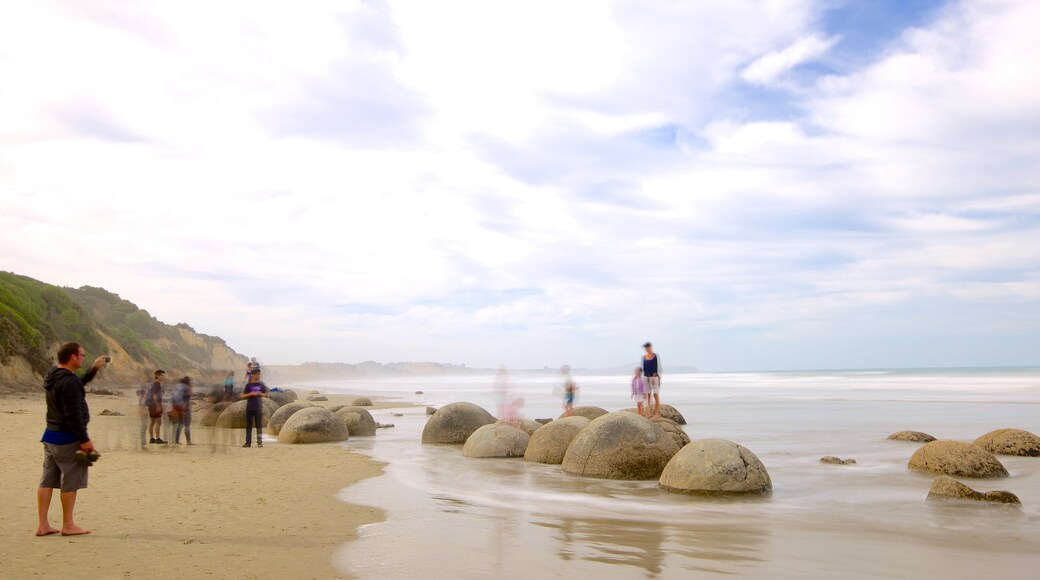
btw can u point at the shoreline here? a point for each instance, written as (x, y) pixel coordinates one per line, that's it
(213, 508)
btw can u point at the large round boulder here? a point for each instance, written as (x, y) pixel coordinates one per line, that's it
(358, 421)
(956, 458)
(234, 416)
(454, 423)
(361, 402)
(496, 440)
(588, 412)
(670, 412)
(280, 397)
(282, 415)
(292, 394)
(209, 418)
(1010, 442)
(313, 425)
(913, 436)
(715, 466)
(620, 446)
(674, 430)
(549, 443)
(528, 426)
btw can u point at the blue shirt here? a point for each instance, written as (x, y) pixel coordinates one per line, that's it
(650, 366)
(58, 437)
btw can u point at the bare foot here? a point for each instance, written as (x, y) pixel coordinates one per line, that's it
(46, 531)
(73, 530)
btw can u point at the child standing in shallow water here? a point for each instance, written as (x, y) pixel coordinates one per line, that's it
(638, 390)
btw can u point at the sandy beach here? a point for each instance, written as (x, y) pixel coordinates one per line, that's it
(177, 511)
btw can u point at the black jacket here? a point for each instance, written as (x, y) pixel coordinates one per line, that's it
(67, 402)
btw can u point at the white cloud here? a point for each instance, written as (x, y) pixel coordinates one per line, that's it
(768, 68)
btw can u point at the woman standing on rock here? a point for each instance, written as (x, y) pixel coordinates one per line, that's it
(651, 365)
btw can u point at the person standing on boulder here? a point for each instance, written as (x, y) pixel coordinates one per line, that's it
(252, 392)
(65, 435)
(155, 408)
(570, 391)
(651, 365)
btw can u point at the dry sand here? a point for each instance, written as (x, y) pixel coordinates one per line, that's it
(214, 508)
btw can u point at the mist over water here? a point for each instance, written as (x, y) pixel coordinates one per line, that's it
(477, 517)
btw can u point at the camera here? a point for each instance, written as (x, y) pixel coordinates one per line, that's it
(87, 458)
(108, 359)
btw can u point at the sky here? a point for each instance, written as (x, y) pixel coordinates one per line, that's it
(750, 184)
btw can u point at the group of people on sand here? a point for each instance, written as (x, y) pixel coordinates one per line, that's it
(646, 385)
(174, 403)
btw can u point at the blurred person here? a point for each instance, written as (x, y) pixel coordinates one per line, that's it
(155, 408)
(638, 390)
(182, 410)
(570, 391)
(501, 391)
(651, 366)
(251, 366)
(252, 392)
(64, 436)
(142, 412)
(229, 386)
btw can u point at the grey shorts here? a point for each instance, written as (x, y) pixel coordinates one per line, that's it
(60, 468)
(653, 385)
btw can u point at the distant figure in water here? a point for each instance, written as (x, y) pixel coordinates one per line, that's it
(638, 390)
(651, 366)
(229, 386)
(570, 391)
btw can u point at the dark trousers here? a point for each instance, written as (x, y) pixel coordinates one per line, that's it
(254, 418)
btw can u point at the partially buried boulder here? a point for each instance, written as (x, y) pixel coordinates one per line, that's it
(496, 440)
(317, 398)
(837, 460)
(282, 415)
(358, 420)
(1010, 442)
(588, 412)
(620, 446)
(715, 466)
(958, 459)
(454, 423)
(549, 443)
(209, 419)
(234, 416)
(313, 425)
(280, 397)
(914, 436)
(361, 402)
(670, 412)
(292, 394)
(946, 487)
(674, 430)
(528, 426)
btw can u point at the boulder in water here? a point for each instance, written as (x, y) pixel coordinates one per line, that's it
(313, 425)
(496, 440)
(672, 428)
(282, 415)
(358, 421)
(454, 423)
(589, 412)
(620, 446)
(528, 426)
(958, 459)
(946, 487)
(715, 466)
(914, 436)
(1010, 442)
(361, 402)
(837, 460)
(670, 412)
(549, 443)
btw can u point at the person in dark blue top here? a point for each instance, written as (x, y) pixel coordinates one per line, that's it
(651, 365)
(252, 392)
(66, 433)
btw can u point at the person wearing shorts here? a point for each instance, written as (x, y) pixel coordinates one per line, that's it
(66, 433)
(651, 365)
(155, 408)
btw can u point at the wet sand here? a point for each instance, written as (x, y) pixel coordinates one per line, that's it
(212, 509)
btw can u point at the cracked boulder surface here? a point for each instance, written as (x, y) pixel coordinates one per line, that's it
(1010, 442)
(715, 466)
(945, 487)
(620, 446)
(958, 459)
(454, 423)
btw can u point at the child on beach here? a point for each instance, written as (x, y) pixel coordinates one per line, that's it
(638, 390)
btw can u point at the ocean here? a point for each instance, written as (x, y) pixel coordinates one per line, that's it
(453, 517)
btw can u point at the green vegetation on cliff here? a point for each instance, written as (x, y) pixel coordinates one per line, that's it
(36, 316)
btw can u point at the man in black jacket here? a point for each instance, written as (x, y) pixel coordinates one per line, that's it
(66, 433)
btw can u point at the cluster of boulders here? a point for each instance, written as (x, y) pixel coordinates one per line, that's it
(294, 421)
(975, 460)
(593, 442)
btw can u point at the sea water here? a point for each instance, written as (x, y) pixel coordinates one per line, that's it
(453, 517)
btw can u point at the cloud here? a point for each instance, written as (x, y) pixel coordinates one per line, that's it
(766, 69)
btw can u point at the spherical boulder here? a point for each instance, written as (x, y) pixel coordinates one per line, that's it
(280, 397)
(282, 415)
(672, 428)
(588, 412)
(313, 425)
(234, 416)
(454, 423)
(549, 443)
(292, 394)
(496, 440)
(1010, 442)
(620, 446)
(914, 436)
(209, 418)
(528, 426)
(670, 412)
(361, 402)
(946, 487)
(358, 421)
(715, 466)
(956, 458)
